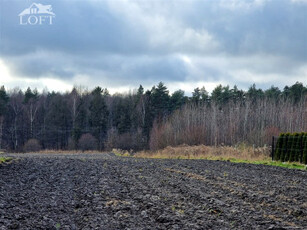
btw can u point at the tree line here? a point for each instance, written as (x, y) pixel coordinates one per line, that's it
(83, 119)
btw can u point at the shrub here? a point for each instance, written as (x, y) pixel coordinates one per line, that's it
(32, 145)
(87, 142)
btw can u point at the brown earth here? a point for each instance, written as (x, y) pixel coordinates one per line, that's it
(103, 191)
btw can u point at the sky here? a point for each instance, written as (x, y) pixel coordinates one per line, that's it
(120, 44)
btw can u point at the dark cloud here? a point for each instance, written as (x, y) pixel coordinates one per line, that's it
(122, 42)
(79, 28)
(244, 27)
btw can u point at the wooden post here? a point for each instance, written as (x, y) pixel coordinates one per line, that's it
(301, 149)
(287, 157)
(272, 148)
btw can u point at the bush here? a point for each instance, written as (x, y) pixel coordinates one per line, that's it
(32, 145)
(87, 142)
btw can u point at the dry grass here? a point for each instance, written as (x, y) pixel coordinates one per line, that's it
(241, 152)
(120, 152)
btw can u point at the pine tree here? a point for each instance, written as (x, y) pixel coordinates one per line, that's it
(253, 93)
(140, 91)
(204, 94)
(98, 116)
(297, 91)
(272, 93)
(237, 95)
(217, 94)
(4, 98)
(221, 94)
(149, 115)
(177, 99)
(160, 101)
(196, 95)
(59, 122)
(30, 96)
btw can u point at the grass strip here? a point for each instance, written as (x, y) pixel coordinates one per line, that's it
(5, 159)
(289, 165)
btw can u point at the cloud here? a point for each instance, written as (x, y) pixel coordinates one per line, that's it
(299, 1)
(121, 44)
(239, 5)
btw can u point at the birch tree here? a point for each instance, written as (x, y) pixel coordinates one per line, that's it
(3, 109)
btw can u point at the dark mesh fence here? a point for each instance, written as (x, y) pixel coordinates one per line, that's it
(290, 147)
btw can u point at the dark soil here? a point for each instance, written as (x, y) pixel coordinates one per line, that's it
(108, 192)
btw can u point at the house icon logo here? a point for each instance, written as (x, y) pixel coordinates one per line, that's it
(37, 14)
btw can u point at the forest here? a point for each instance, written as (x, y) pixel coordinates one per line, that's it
(152, 119)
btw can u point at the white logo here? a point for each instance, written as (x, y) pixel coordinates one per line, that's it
(37, 14)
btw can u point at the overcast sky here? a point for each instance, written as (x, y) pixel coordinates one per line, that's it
(120, 44)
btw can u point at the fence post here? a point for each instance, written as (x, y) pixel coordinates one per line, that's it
(301, 148)
(273, 148)
(286, 156)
